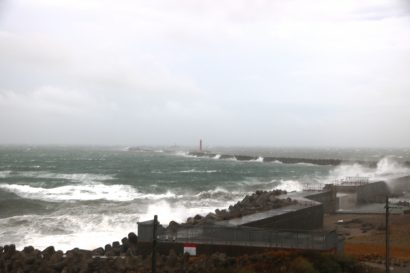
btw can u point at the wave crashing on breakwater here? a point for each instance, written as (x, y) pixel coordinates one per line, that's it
(285, 160)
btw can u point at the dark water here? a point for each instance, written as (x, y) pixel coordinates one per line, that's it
(87, 197)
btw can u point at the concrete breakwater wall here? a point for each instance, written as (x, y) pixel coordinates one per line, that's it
(327, 198)
(285, 160)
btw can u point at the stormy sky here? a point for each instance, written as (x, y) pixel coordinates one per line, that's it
(232, 72)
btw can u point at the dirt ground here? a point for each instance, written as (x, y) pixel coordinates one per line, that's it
(365, 237)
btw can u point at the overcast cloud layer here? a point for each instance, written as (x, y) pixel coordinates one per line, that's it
(271, 73)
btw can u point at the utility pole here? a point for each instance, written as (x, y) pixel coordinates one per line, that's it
(154, 245)
(387, 236)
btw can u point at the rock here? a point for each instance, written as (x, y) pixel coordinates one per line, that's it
(98, 252)
(125, 245)
(173, 226)
(197, 218)
(108, 250)
(132, 238)
(9, 251)
(28, 250)
(48, 252)
(190, 221)
(211, 216)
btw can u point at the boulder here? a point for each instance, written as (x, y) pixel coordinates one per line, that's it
(98, 252)
(132, 238)
(48, 252)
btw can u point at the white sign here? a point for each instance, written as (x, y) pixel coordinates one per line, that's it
(190, 249)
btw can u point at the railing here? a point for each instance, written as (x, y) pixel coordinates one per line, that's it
(353, 181)
(245, 236)
(312, 187)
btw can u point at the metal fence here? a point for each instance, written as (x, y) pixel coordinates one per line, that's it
(245, 236)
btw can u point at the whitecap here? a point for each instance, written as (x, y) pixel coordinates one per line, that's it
(259, 159)
(305, 164)
(120, 193)
(198, 171)
(5, 174)
(289, 185)
(387, 168)
(64, 232)
(73, 177)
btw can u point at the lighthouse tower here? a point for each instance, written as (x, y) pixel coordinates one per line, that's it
(200, 145)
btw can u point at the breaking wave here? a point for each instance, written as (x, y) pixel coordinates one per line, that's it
(198, 171)
(306, 164)
(90, 192)
(387, 168)
(73, 177)
(185, 154)
(259, 159)
(289, 185)
(218, 193)
(65, 231)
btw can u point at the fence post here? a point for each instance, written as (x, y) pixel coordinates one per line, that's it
(154, 245)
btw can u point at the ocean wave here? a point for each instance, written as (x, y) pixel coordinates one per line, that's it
(217, 156)
(176, 212)
(306, 164)
(73, 177)
(259, 159)
(5, 174)
(90, 230)
(387, 168)
(289, 185)
(218, 194)
(198, 171)
(119, 193)
(86, 231)
(185, 154)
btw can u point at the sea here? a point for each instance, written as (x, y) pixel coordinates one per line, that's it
(87, 197)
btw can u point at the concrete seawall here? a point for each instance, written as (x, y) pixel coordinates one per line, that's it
(285, 160)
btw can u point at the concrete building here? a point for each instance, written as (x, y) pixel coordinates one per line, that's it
(353, 195)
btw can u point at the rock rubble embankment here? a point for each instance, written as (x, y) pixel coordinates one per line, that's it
(253, 203)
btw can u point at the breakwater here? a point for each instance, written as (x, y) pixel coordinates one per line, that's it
(285, 160)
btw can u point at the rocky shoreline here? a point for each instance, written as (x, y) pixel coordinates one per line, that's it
(257, 202)
(126, 256)
(31, 260)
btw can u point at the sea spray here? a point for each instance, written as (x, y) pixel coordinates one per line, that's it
(387, 168)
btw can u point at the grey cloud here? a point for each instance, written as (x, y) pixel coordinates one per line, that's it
(232, 72)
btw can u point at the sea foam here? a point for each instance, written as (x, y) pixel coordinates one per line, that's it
(90, 192)
(73, 177)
